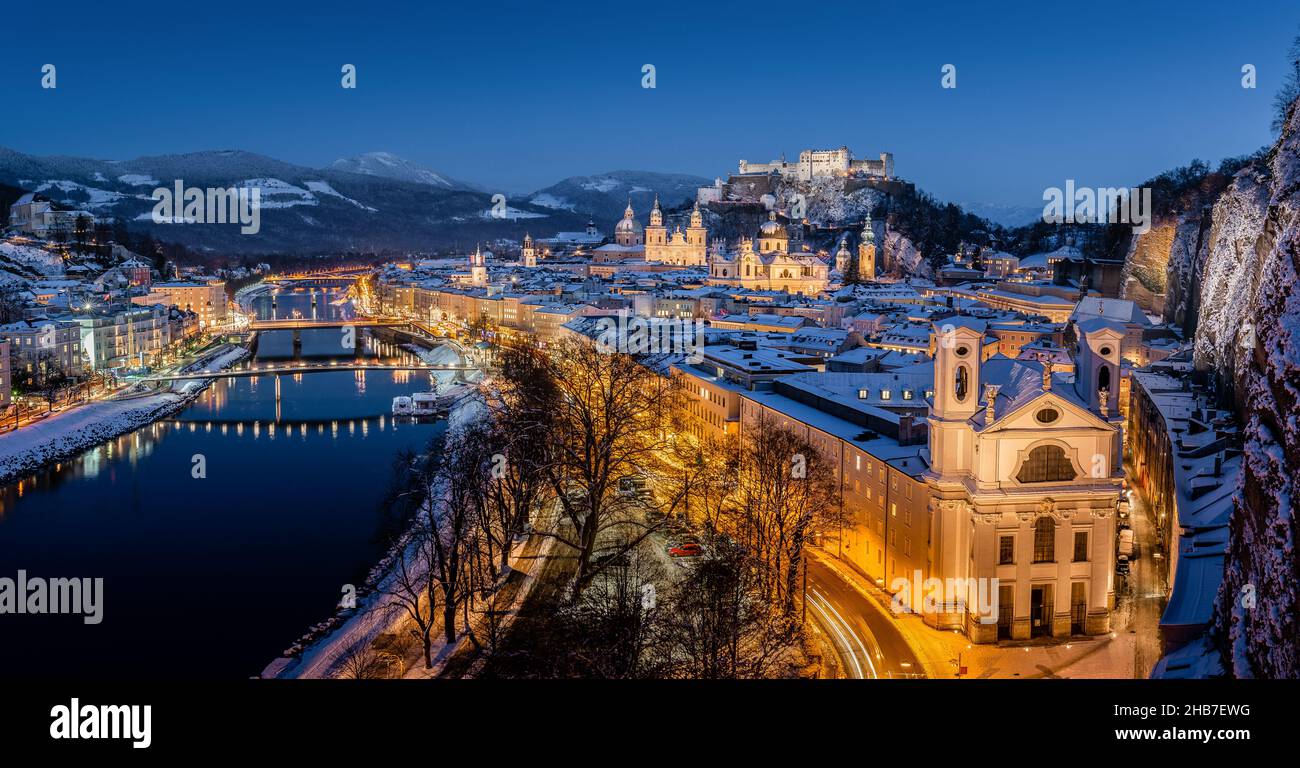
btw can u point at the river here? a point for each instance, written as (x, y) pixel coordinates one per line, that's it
(213, 577)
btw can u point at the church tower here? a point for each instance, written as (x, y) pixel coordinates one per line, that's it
(843, 256)
(529, 251)
(1097, 374)
(478, 274)
(957, 343)
(867, 251)
(656, 235)
(696, 235)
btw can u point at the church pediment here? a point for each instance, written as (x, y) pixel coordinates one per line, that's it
(1048, 410)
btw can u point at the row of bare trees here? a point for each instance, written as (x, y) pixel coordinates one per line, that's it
(596, 450)
(601, 418)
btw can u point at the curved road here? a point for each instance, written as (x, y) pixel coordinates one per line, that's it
(865, 636)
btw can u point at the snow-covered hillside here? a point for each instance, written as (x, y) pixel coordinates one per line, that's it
(390, 166)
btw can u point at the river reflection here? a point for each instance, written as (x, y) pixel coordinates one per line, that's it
(210, 576)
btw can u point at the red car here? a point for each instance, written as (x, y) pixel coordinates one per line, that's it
(686, 550)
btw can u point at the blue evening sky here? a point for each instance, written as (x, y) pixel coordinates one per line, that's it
(518, 95)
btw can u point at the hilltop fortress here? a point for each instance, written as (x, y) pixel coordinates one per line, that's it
(822, 163)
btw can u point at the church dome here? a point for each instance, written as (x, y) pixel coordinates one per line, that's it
(627, 225)
(773, 229)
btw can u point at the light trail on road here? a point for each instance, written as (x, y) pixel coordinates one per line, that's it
(849, 643)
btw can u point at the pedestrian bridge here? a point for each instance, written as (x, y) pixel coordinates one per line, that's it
(300, 323)
(296, 368)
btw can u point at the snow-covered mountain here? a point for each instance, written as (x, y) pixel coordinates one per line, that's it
(303, 210)
(1009, 216)
(604, 197)
(390, 166)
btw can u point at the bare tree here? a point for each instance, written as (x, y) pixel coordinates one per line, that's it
(721, 625)
(410, 584)
(607, 418)
(786, 495)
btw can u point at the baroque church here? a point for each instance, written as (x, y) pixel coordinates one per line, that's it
(766, 263)
(686, 249)
(1025, 480)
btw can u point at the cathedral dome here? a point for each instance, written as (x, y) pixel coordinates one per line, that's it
(629, 226)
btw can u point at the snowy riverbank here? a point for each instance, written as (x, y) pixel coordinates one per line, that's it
(321, 652)
(64, 435)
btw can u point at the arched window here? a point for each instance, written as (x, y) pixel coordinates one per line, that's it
(962, 383)
(1046, 464)
(1044, 540)
(1103, 378)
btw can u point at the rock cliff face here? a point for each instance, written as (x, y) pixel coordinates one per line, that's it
(1247, 318)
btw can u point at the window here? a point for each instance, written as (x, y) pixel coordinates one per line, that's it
(1080, 546)
(884, 394)
(1045, 540)
(1006, 550)
(893, 509)
(1046, 464)
(1047, 415)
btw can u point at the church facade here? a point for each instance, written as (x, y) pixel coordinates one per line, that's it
(1025, 483)
(687, 249)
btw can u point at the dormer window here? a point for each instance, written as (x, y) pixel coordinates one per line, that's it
(907, 394)
(884, 394)
(863, 394)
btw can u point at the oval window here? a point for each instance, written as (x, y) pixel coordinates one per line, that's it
(1047, 415)
(1104, 351)
(962, 351)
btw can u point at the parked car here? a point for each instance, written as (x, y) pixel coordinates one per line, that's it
(1126, 543)
(687, 550)
(1121, 565)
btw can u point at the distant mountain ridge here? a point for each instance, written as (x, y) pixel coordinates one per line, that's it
(304, 210)
(605, 196)
(390, 166)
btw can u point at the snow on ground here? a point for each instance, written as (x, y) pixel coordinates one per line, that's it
(547, 200)
(511, 213)
(280, 194)
(70, 432)
(98, 197)
(323, 188)
(138, 180)
(605, 184)
(39, 259)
